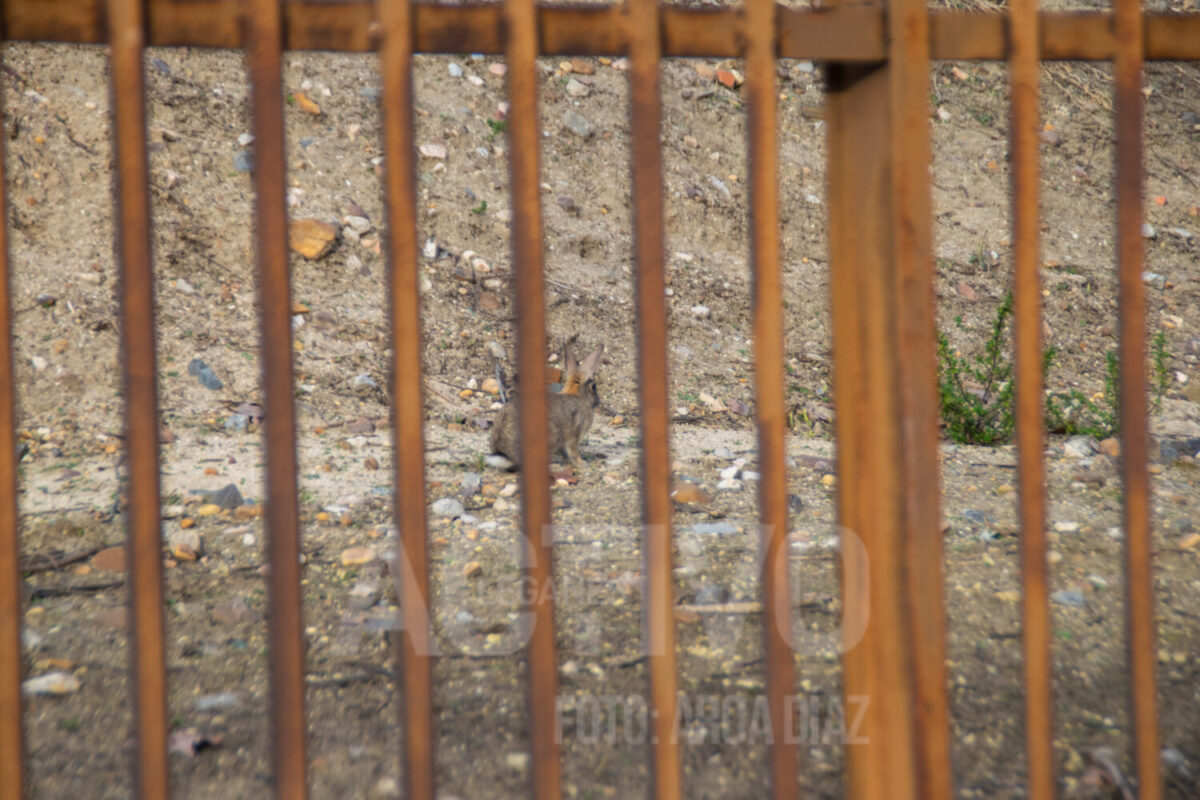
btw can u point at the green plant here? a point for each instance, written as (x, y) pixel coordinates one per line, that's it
(981, 258)
(1074, 413)
(977, 392)
(479, 209)
(497, 126)
(1160, 377)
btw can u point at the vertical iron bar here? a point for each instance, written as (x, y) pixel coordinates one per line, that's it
(768, 377)
(413, 652)
(148, 679)
(878, 670)
(916, 352)
(645, 50)
(521, 48)
(1024, 107)
(1139, 579)
(264, 47)
(12, 741)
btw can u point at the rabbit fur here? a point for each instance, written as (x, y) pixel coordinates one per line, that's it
(569, 413)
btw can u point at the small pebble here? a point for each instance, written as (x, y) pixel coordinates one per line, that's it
(1069, 597)
(447, 507)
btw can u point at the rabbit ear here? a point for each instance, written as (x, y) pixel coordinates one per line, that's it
(569, 365)
(588, 368)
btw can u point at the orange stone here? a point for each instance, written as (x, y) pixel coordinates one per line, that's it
(110, 559)
(311, 238)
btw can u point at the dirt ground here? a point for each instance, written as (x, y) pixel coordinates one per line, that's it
(59, 174)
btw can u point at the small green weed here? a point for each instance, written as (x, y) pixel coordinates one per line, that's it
(1075, 414)
(977, 391)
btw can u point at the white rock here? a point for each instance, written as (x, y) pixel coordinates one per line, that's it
(433, 150)
(701, 312)
(1080, 447)
(51, 683)
(447, 507)
(360, 225)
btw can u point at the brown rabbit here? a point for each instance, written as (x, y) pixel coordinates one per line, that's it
(569, 412)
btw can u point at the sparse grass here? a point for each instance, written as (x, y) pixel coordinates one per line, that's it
(977, 391)
(1074, 413)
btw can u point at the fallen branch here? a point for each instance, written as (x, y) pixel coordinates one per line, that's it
(42, 562)
(43, 592)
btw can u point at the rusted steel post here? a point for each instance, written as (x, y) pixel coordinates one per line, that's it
(645, 109)
(853, 33)
(1024, 69)
(521, 50)
(148, 678)
(414, 664)
(878, 670)
(12, 742)
(769, 390)
(264, 44)
(886, 402)
(916, 357)
(1139, 578)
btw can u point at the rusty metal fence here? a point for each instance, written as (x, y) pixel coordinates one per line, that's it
(877, 59)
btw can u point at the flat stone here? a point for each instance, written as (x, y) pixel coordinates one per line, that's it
(311, 238)
(228, 496)
(216, 702)
(1069, 597)
(720, 528)
(447, 507)
(52, 683)
(1080, 447)
(205, 375)
(357, 556)
(110, 559)
(578, 124)
(186, 544)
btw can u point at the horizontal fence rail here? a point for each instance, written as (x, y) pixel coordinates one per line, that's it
(883, 331)
(854, 33)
